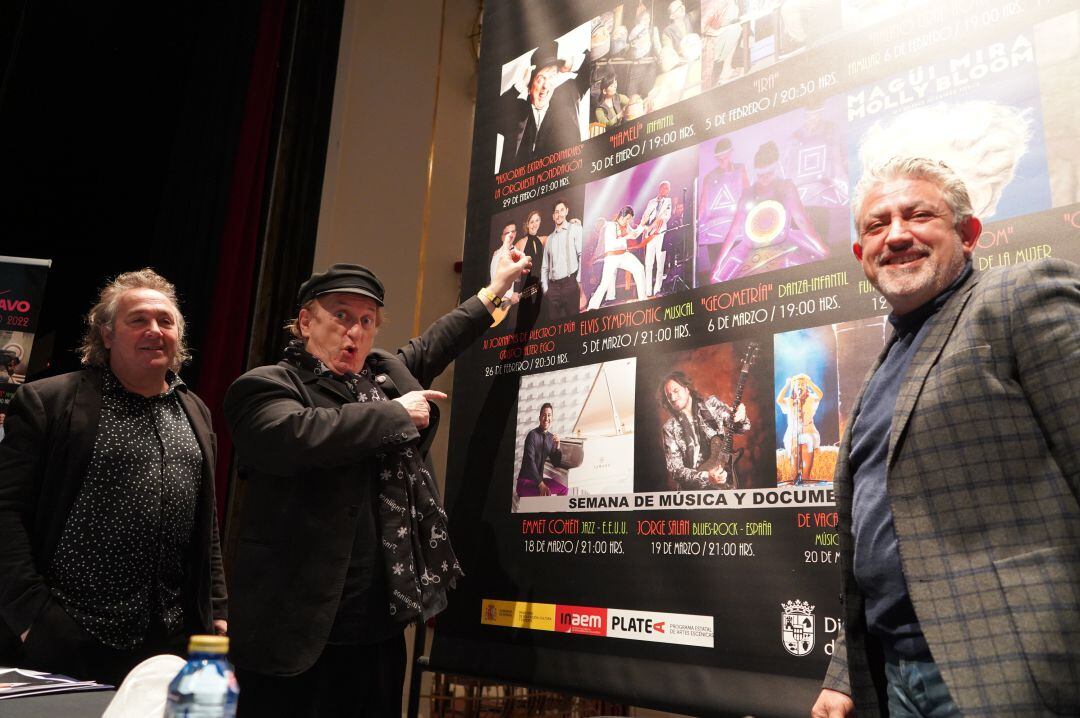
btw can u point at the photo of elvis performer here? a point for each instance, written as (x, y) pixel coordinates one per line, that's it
(692, 435)
(617, 256)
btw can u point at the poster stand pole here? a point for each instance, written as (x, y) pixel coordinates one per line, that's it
(419, 667)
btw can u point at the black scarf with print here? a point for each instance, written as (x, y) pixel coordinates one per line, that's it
(419, 562)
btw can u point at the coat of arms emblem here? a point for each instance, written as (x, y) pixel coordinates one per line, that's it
(797, 627)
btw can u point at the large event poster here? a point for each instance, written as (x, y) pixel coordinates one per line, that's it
(682, 173)
(22, 285)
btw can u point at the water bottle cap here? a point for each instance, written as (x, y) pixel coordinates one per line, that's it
(208, 644)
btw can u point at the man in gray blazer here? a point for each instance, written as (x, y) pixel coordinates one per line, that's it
(958, 479)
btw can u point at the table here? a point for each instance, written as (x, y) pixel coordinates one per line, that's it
(85, 704)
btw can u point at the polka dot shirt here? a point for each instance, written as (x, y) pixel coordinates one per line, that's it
(119, 566)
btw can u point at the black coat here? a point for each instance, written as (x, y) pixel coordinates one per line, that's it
(51, 427)
(306, 450)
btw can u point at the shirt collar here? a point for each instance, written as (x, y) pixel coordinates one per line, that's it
(112, 385)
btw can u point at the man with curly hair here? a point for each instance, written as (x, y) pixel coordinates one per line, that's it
(109, 548)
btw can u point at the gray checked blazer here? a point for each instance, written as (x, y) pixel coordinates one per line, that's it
(984, 482)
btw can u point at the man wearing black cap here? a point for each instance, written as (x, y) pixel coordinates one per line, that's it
(343, 539)
(545, 118)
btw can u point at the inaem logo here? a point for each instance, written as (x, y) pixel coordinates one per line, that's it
(797, 627)
(581, 619)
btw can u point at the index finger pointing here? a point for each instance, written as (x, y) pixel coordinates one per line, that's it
(430, 394)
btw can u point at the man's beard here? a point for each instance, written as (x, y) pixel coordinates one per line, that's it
(932, 275)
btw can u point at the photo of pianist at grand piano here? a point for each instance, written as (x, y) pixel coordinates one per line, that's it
(541, 446)
(575, 434)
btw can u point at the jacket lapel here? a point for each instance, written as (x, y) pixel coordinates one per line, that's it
(941, 328)
(334, 387)
(85, 418)
(203, 434)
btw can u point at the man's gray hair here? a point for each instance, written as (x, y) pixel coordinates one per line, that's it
(953, 190)
(103, 314)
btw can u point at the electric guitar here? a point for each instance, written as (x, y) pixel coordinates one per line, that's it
(644, 239)
(499, 313)
(720, 446)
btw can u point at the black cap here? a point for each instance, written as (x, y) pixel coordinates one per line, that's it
(347, 278)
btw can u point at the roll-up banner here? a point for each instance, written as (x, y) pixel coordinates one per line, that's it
(22, 287)
(642, 448)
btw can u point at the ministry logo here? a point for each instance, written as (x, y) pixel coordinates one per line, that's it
(797, 627)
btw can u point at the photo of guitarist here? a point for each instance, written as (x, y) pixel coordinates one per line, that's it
(655, 220)
(693, 435)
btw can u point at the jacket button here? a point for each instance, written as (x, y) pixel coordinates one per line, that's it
(380, 379)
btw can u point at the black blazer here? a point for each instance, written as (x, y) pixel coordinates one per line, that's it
(306, 450)
(51, 427)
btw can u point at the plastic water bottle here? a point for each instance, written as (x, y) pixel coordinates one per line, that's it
(206, 686)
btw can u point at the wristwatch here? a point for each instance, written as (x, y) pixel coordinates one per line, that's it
(489, 295)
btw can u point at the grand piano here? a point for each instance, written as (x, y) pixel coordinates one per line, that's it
(598, 453)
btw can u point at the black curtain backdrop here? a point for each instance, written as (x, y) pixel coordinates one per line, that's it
(225, 336)
(118, 126)
(181, 137)
(293, 189)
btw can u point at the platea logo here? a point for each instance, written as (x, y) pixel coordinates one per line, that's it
(797, 627)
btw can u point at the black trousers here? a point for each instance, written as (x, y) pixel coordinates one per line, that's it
(345, 682)
(57, 644)
(562, 297)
